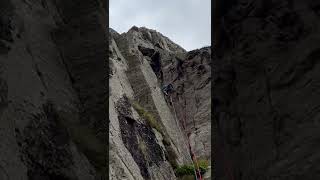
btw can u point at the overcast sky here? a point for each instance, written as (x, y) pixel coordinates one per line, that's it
(185, 22)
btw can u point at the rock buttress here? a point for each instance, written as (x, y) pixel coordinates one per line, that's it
(142, 61)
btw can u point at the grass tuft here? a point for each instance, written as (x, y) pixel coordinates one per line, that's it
(189, 169)
(151, 120)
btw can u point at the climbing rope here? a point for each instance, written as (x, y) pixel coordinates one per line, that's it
(193, 156)
(194, 159)
(188, 135)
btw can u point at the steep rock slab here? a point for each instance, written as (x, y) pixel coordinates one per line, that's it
(146, 86)
(136, 150)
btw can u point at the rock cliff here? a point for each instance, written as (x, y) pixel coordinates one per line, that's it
(148, 129)
(53, 120)
(53, 98)
(265, 89)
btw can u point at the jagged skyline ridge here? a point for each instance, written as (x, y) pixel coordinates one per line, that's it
(187, 22)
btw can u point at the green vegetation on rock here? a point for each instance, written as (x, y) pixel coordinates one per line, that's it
(183, 171)
(151, 120)
(147, 116)
(142, 146)
(189, 169)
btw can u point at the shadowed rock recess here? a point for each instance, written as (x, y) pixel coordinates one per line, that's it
(266, 96)
(148, 129)
(53, 120)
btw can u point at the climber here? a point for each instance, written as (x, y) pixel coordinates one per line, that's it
(167, 89)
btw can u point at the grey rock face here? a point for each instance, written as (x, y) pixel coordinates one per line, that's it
(265, 90)
(141, 62)
(52, 112)
(191, 99)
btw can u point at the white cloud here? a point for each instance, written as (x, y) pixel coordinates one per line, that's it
(186, 22)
